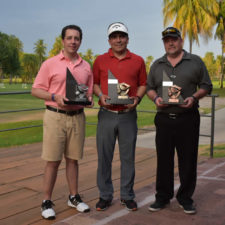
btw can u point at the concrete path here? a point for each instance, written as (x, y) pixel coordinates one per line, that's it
(219, 136)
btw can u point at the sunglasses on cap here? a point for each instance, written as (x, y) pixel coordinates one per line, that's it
(171, 31)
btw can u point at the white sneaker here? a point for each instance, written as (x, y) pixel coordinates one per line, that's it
(76, 202)
(47, 211)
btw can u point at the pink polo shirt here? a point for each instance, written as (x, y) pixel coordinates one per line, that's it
(52, 77)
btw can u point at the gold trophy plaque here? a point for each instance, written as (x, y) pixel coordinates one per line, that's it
(118, 92)
(171, 93)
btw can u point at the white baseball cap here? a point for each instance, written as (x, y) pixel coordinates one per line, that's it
(117, 27)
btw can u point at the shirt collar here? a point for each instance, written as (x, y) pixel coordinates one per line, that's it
(62, 57)
(186, 55)
(128, 54)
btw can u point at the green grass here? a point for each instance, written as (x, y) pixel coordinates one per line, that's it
(32, 135)
(91, 122)
(218, 151)
(21, 101)
(20, 137)
(15, 87)
(217, 90)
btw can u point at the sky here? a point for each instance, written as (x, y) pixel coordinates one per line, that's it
(31, 20)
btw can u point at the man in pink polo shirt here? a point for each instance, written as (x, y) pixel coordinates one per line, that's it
(118, 121)
(63, 125)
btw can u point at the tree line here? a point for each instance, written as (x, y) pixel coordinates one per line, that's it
(14, 63)
(193, 17)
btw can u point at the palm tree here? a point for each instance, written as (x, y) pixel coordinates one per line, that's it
(148, 62)
(57, 47)
(210, 63)
(88, 56)
(192, 17)
(220, 34)
(30, 67)
(40, 50)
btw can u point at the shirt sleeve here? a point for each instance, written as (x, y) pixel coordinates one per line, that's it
(90, 82)
(143, 74)
(96, 71)
(42, 79)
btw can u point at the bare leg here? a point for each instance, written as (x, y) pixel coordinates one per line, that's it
(72, 175)
(50, 175)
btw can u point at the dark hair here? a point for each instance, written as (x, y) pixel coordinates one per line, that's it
(74, 27)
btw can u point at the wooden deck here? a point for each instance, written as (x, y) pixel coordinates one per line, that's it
(21, 174)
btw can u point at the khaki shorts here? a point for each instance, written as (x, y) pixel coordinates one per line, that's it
(63, 134)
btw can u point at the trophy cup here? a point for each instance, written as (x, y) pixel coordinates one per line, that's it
(75, 93)
(118, 92)
(171, 93)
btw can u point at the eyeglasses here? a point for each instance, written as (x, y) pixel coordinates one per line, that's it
(171, 31)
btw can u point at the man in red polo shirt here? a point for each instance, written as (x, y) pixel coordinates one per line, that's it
(118, 121)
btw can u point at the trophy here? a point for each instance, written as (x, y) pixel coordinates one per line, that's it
(118, 92)
(171, 93)
(75, 93)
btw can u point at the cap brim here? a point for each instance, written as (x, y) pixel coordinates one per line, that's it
(118, 31)
(170, 35)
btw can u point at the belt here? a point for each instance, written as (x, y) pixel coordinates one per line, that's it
(116, 111)
(175, 115)
(171, 115)
(69, 113)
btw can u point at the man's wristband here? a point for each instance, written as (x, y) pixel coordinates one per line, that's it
(195, 99)
(139, 99)
(53, 97)
(154, 100)
(100, 95)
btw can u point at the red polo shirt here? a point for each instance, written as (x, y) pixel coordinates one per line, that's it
(131, 70)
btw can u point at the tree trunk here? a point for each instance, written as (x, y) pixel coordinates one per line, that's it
(1, 74)
(222, 65)
(10, 78)
(222, 75)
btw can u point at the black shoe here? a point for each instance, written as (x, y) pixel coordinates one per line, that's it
(157, 205)
(103, 204)
(47, 210)
(130, 204)
(188, 208)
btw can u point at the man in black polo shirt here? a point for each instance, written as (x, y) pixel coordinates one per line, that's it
(177, 125)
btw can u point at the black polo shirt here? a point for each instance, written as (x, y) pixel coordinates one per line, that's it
(189, 74)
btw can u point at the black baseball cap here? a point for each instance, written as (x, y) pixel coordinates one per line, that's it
(171, 32)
